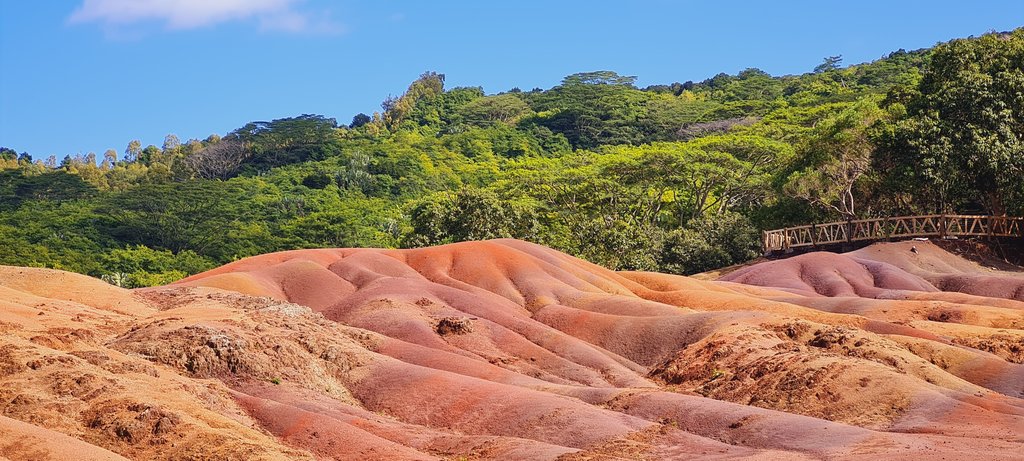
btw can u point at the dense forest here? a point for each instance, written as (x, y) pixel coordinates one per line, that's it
(677, 178)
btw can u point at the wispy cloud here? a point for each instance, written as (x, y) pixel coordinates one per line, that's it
(277, 15)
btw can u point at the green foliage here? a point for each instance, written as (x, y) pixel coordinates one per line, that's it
(666, 115)
(750, 84)
(830, 63)
(592, 109)
(834, 157)
(285, 141)
(317, 180)
(963, 136)
(140, 266)
(59, 186)
(418, 106)
(349, 221)
(505, 109)
(674, 178)
(710, 243)
(196, 215)
(470, 214)
(61, 235)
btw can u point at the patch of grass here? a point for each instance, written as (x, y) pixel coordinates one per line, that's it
(670, 423)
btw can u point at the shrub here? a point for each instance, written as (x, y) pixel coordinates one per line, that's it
(317, 181)
(709, 243)
(140, 266)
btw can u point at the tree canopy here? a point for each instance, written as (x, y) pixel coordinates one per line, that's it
(676, 177)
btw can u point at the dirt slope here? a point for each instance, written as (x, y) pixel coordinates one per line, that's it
(508, 350)
(946, 271)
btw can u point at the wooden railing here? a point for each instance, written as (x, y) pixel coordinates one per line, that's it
(936, 225)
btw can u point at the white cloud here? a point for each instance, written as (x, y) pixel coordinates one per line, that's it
(189, 14)
(292, 21)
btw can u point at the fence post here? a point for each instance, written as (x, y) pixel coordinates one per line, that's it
(942, 226)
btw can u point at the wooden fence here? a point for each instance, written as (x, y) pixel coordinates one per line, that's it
(936, 225)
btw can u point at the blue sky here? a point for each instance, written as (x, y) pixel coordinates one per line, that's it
(87, 75)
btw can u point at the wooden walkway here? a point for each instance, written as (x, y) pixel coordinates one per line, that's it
(896, 228)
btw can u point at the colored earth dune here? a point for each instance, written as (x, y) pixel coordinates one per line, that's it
(508, 350)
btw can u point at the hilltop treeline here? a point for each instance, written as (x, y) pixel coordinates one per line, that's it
(676, 178)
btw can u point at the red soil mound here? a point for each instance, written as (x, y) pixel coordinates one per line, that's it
(830, 274)
(509, 350)
(947, 271)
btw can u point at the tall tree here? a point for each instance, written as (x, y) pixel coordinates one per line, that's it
(132, 152)
(109, 159)
(469, 214)
(963, 136)
(593, 108)
(218, 161)
(836, 155)
(171, 142)
(429, 86)
(504, 108)
(830, 63)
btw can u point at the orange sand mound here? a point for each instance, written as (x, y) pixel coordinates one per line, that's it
(509, 350)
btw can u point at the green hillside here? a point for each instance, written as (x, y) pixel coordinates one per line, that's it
(676, 178)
